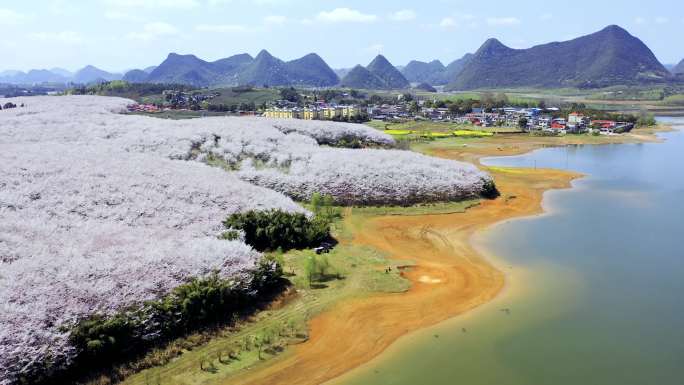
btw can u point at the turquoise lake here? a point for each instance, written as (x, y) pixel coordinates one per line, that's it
(595, 287)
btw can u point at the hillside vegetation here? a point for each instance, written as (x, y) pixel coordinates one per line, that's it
(608, 57)
(112, 236)
(242, 69)
(379, 74)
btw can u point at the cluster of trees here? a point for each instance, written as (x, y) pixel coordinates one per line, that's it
(642, 119)
(101, 253)
(185, 245)
(103, 340)
(277, 229)
(290, 94)
(126, 89)
(488, 102)
(362, 117)
(344, 97)
(242, 89)
(9, 105)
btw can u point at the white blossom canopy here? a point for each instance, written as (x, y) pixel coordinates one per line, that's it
(101, 210)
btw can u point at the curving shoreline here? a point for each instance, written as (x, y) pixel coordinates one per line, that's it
(450, 277)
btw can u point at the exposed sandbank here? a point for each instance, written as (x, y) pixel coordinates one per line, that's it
(449, 278)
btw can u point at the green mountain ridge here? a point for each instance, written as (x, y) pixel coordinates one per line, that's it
(379, 74)
(421, 72)
(242, 69)
(434, 72)
(609, 57)
(360, 77)
(679, 68)
(135, 76)
(391, 77)
(89, 74)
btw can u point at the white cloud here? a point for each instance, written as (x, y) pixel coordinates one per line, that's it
(217, 3)
(546, 17)
(403, 15)
(10, 17)
(62, 7)
(155, 4)
(64, 37)
(154, 31)
(503, 21)
(640, 20)
(8, 44)
(345, 15)
(662, 20)
(275, 19)
(375, 48)
(519, 44)
(121, 16)
(220, 28)
(459, 20)
(447, 22)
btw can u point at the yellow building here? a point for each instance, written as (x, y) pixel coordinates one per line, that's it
(326, 113)
(350, 111)
(280, 113)
(309, 114)
(329, 113)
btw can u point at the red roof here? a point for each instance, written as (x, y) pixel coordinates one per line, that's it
(604, 122)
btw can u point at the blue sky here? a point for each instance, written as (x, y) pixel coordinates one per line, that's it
(123, 34)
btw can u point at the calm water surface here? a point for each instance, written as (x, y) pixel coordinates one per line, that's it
(595, 286)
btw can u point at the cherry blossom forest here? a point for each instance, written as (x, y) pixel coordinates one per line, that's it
(101, 210)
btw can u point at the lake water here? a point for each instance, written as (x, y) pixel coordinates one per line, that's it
(595, 292)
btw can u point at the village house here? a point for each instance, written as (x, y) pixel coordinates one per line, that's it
(313, 113)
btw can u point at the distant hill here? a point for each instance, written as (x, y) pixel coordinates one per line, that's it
(265, 69)
(383, 69)
(454, 68)
(425, 87)
(136, 76)
(379, 74)
(608, 57)
(32, 77)
(341, 72)
(434, 72)
(679, 68)
(183, 69)
(9, 73)
(421, 72)
(43, 76)
(360, 77)
(311, 70)
(90, 74)
(62, 72)
(242, 69)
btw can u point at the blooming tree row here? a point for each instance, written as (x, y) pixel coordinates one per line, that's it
(101, 210)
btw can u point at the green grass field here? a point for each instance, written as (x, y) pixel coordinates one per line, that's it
(353, 271)
(257, 96)
(430, 126)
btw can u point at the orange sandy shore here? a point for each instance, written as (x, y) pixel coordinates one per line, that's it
(449, 278)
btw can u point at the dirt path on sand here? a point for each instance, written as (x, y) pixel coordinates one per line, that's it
(449, 278)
